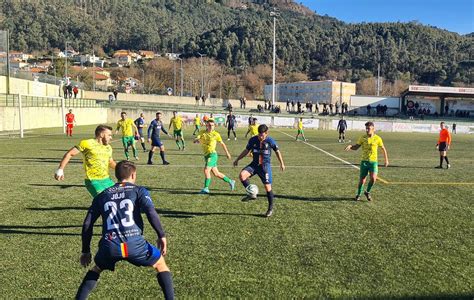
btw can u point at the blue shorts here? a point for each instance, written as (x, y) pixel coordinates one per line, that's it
(137, 251)
(140, 132)
(263, 171)
(156, 142)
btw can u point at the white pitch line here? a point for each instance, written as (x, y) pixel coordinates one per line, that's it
(325, 152)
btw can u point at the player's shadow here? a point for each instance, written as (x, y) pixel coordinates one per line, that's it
(58, 208)
(28, 229)
(411, 167)
(58, 150)
(61, 186)
(165, 213)
(312, 199)
(179, 191)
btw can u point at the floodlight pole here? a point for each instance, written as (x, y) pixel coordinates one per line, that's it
(202, 75)
(274, 15)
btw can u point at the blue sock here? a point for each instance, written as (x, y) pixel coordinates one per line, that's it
(166, 283)
(270, 197)
(88, 284)
(245, 183)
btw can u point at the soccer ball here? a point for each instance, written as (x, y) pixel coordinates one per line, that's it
(252, 190)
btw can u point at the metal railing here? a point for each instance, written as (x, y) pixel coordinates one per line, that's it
(39, 101)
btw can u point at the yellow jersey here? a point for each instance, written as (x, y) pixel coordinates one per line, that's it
(96, 158)
(253, 129)
(177, 122)
(126, 126)
(197, 121)
(209, 141)
(300, 125)
(369, 147)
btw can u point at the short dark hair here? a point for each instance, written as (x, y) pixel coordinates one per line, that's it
(175, 112)
(369, 124)
(158, 112)
(124, 170)
(101, 128)
(262, 128)
(123, 113)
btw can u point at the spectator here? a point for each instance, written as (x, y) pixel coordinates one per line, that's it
(446, 109)
(203, 99)
(331, 106)
(69, 91)
(65, 91)
(316, 107)
(368, 109)
(338, 105)
(288, 105)
(299, 107)
(75, 90)
(115, 92)
(197, 100)
(292, 105)
(244, 101)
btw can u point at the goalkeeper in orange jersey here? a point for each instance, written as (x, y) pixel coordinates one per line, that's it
(442, 145)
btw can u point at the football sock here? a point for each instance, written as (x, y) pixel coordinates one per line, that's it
(150, 156)
(182, 141)
(233, 131)
(177, 144)
(143, 146)
(166, 283)
(88, 284)
(360, 188)
(370, 185)
(245, 183)
(126, 153)
(446, 159)
(441, 161)
(207, 182)
(226, 179)
(162, 154)
(134, 150)
(270, 197)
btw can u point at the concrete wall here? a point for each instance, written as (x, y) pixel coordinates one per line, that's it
(47, 117)
(28, 87)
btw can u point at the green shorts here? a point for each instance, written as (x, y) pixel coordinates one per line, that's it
(178, 132)
(300, 131)
(128, 141)
(368, 166)
(96, 186)
(211, 160)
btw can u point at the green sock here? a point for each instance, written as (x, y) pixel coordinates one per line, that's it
(369, 186)
(177, 144)
(182, 141)
(226, 179)
(360, 189)
(134, 152)
(126, 154)
(207, 182)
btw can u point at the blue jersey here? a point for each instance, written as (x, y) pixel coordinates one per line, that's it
(140, 123)
(261, 151)
(155, 128)
(120, 207)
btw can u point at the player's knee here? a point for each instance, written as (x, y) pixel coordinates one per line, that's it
(161, 265)
(268, 188)
(96, 269)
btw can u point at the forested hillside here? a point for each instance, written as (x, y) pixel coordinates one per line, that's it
(241, 37)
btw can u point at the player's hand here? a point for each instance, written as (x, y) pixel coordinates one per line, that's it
(228, 156)
(163, 245)
(386, 163)
(196, 141)
(235, 163)
(282, 167)
(59, 174)
(348, 147)
(437, 146)
(85, 259)
(149, 141)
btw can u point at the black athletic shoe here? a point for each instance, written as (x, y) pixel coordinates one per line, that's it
(439, 167)
(166, 163)
(149, 163)
(448, 166)
(367, 195)
(357, 198)
(248, 198)
(269, 213)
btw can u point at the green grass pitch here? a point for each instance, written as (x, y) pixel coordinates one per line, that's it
(414, 240)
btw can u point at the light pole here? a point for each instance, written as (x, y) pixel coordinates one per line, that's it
(274, 14)
(202, 75)
(143, 81)
(182, 75)
(65, 72)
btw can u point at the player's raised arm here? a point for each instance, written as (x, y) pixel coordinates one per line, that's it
(352, 147)
(226, 150)
(242, 155)
(112, 163)
(59, 174)
(154, 219)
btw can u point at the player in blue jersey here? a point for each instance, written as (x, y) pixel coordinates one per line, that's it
(154, 130)
(140, 123)
(120, 207)
(261, 147)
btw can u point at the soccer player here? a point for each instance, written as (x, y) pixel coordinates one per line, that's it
(443, 144)
(70, 122)
(98, 159)
(177, 123)
(197, 124)
(120, 207)
(342, 127)
(128, 128)
(300, 130)
(209, 138)
(253, 128)
(261, 146)
(231, 123)
(140, 124)
(369, 161)
(156, 126)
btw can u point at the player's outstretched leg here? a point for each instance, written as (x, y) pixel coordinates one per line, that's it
(88, 283)
(207, 181)
(218, 174)
(360, 188)
(270, 197)
(164, 278)
(162, 154)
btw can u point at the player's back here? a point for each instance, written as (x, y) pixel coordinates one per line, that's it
(120, 207)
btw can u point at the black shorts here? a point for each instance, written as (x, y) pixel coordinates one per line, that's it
(442, 147)
(138, 252)
(341, 131)
(263, 171)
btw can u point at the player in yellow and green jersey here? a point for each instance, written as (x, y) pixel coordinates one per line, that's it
(177, 123)
(370, 142)
(253, 128)
(209, 138)
(300, 130)
(97, 160)
(129, 129)
(197, 124)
